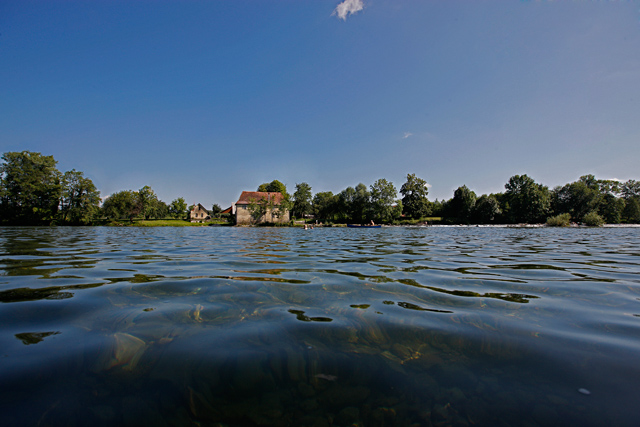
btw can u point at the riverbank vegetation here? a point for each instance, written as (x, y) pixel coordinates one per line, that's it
(34, 192)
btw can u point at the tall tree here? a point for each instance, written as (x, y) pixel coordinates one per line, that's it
(80, 198)
(631, 212)
(122, 204)
(178, 208)
(324, 205)
(160, 209)
(302, 200)
(611, 208)
(147, 202)
(609, 186)
(577, 199)
(215, 210)
(414, 197)
(274, 186)
(383, 196)
(462, 204)
(631, 189)
(345, 204)
(486, 209)
(30, 188)
(360, 206)
(526, 200)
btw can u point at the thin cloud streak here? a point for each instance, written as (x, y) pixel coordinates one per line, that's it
(348, 7)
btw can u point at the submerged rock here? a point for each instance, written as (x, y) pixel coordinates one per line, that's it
(123, 351)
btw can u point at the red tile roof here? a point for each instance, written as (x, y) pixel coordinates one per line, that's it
(248, 196)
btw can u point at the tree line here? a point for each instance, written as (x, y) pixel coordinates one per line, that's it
(588, 200)
(33, 191)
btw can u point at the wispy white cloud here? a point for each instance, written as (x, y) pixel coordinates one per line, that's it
(348, 7)
(407, 135)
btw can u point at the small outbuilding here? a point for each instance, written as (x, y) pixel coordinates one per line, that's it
(255, 207)
(199, 214)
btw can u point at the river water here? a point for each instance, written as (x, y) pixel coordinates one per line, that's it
(346, 327)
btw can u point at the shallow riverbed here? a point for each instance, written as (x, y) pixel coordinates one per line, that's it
(282, 326)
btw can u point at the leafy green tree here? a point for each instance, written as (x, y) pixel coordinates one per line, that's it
(354, 204)
(147, 202)
(258, 208)
(80, 199)
(631, 212)
(285, 205)
(302, 200)
(274, 186)
(631, 189)
(324, 205)
(439, 208)
(160, 209)
(414, 197)
(611, 208)
(525, 200)
(282, 208)
(361, 204)
(382, 198)
(462, 204)
(122, 204)
(608, 186)
(345, 205)
(30, 188)
(397, 210)
(215, 210)
(590, 181)
(486, 209)
(178, 208)
(576, 198)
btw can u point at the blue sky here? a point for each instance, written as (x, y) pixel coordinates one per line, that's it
(204, 99)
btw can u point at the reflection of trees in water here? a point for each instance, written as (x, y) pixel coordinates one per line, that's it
(302, 317)
(33, 251)
(41, 253)
(511, 297)
(29, 338)
(244, 346)
(51, 292)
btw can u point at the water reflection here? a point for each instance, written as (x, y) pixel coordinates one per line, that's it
(411, 306)
(301, 316)
(51, 293)
(29, 338)
(257, 326)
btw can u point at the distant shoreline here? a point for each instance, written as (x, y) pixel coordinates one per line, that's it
(341, 226)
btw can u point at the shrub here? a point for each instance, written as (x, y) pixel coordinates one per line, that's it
(592, 219)
(562, 220)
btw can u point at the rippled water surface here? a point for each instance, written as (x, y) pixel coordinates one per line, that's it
(344, 327)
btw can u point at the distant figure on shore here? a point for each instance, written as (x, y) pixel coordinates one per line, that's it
(372, 223)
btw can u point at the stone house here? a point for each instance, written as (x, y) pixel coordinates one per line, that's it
(271, 201)
(199, 214)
